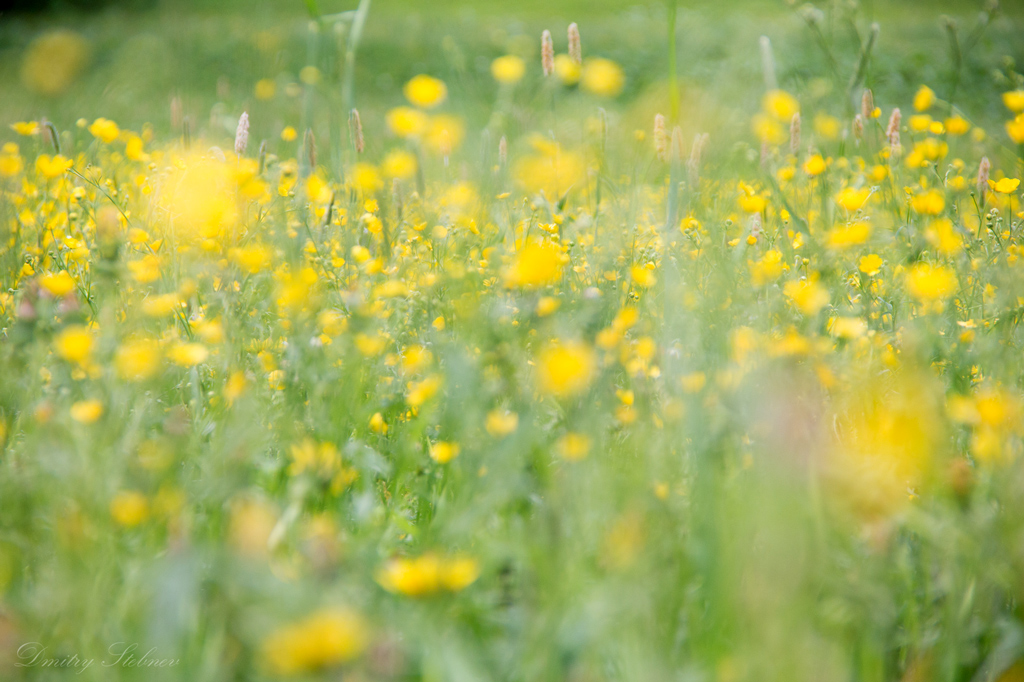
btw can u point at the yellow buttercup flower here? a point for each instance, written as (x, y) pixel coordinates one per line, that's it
(400, 164)
(807, 295)
(815, 165)
(443, 452)
(1015, 129)
(1014, 100)
(538, 264)
(137, 360)
(104, 130)
(643, 276)
(573, 446)
(87, 411)
(26, 128)
(58, 284)
(924, 99)
(780, 105)
(1005, 185)
(927, 282)
(188, 354)
(53, 62)
(565, 369)
(129, 508)
(52, 167)
(425, 91)
(407, 122)
(567, 70)
(853, 199)
(323, 640)
(602, 77)
(75, 344)
(853, 234)
(501, 422)
(427, 574)
(931, 202)
(508, 69)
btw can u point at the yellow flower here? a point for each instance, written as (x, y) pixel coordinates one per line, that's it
(1014, 100)
(188, 354)
(828, 127)
(137, 360)
(752, 203)
(547, 305)
(643, 276)
(366, 179)
(924, 99)
(853, 199)
(550, 169)
(129, 508)
(815, 165)
(427, 574)
(26, 128)
(289, 134)
(927, 282)
(377, 423)
(848, 327)
(412, 577)
(10, 163)
(458, 573)
(163, 305)
(400, 164)
(309, 74)
(957, 126)
(104, 130)
(443, 452)
(808, 296)
(929, 203)
(325, 639)
(444, 133)
(501, 422)
(849, 235)
(264, 89)
(87, 411)
(75, 344)
(508, 69)
(943, 236)
(1005, 185)
(781, 105)
(425, 91)
(253, 258)
(317, 458)
(407, 122)
(422, 391)
(59, 284)
(1015, 129)
(52, 167)
(53, 61)
(573, 446)
(565, 369)
(602, 77)
(538, 264)
(567, 70)
(767, 268)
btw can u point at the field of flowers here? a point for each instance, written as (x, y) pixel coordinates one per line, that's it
(546, 363)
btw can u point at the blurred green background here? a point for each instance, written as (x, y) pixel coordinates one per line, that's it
(211, 54)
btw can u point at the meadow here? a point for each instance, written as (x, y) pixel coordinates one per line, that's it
(463, 341)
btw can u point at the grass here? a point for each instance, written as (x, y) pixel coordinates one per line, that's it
(528, 388)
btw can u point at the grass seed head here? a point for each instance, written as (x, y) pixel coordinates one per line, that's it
(242, 134)
(547, 53)
(660, 137)
(355, 125)
(575, 50)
